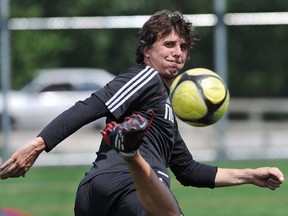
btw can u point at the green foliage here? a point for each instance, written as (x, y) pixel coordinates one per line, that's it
(257, 61)
(36, 49)
(48, 8)
(238, 6)
(256, 54)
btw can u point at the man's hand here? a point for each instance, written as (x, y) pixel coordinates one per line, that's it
(22, 160)
(270, 177)
(126, 137)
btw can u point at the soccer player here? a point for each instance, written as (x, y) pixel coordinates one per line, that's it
(141, 139)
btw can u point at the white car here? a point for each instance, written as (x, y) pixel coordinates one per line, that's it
(52, 92)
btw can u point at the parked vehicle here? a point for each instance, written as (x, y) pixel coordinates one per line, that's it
(52, 92)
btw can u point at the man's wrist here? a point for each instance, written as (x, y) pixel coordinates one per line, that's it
(129, 156)
(39, 144)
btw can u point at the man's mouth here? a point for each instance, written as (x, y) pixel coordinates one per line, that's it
(175, 60)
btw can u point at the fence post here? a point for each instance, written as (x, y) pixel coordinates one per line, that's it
(5, 75)
(220, 63)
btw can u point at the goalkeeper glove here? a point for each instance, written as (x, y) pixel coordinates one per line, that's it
(127, 136)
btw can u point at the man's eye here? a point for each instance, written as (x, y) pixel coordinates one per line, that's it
(169, 44)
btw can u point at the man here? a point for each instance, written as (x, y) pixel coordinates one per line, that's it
(134, 180)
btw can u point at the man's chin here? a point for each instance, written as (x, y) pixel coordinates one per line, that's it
(174, 72)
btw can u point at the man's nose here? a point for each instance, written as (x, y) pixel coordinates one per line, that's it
(177, 51)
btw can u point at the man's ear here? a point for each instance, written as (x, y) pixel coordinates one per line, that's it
(146, 51)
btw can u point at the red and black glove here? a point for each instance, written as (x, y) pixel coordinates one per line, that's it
(127, 136)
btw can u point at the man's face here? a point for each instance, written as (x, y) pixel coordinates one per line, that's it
(168, 56)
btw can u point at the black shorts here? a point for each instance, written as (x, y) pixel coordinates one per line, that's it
(110, 194)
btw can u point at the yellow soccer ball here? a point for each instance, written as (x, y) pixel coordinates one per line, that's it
(199, 97)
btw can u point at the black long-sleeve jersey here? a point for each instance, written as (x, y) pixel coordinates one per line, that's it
(135, 90)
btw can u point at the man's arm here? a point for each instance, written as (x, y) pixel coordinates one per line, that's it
(155, 198)
(270, 177)
(153, 195)
(59, 129)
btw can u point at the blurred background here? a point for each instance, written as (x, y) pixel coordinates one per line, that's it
(245, 42)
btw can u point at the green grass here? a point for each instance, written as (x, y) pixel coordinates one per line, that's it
(47, 191)
(245, 200)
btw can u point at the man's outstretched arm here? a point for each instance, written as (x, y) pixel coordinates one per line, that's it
(155, 198)
(269, 177)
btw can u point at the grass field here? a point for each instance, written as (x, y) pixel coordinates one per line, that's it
(47, 191)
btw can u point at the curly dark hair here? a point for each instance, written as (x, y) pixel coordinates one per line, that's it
(160, 25)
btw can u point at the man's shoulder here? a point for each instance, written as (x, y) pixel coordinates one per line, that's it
(136, 69)
(140, 74)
